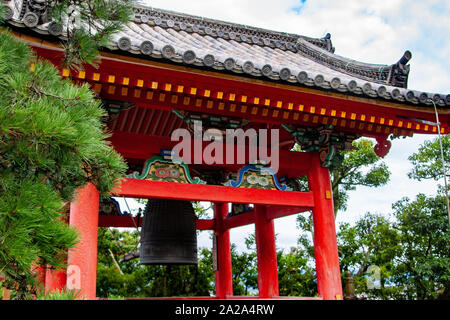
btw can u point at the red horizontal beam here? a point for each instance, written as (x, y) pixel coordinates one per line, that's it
(206, 224)
(143, 147)
(132, 222)
(118, 221)
(135, 188)
(239, 220)
(274, 212)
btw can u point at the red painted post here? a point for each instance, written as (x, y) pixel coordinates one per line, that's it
(325, 244)
(40, 274)
(55, 280)
(82, 260)
(266, 254)
(224, 275)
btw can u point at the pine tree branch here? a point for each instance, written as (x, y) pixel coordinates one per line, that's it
(41, 93)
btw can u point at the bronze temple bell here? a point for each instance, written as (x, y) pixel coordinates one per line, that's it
(168, 234)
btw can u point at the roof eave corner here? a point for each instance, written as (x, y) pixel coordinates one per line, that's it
(398, 76)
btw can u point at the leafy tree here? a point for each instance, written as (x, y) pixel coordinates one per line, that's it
(244, 268)
(423, 265)
(296, 275)
(52, 141)
(360, 167)
(410, 250)
(428, 164)
(427, 161)
(370, 243)
(47, 151)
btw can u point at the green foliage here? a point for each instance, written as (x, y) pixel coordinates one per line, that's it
(51, 129)
(244, 269)
(201, 212)
(427, 161)
(51, 143)
(410, 249)
(32, 229)
(296, 275)
(2, 12)
(87, 26)
(370, 243)
(360, 167)
(411, 246)
(59, 295)
(424, 262)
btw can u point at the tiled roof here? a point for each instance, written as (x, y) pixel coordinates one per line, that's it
(227, 47)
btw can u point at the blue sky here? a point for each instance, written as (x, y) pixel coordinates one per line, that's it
(297, 8)
(365, 30)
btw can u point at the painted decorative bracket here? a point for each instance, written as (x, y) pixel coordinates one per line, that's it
(258, 177)
(325, 140)
(159, 168)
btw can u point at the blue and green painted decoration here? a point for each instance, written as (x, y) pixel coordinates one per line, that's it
(163, 168)
(159, 168)
(259, 177)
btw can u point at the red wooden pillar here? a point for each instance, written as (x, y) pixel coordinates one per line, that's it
(266, 254)
(55, 280)
(223, 274)
(82, 260)
(40, 273)
(325, 243)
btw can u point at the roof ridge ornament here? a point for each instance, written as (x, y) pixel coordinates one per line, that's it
(398, 75)
(395, 75)
(329, 44)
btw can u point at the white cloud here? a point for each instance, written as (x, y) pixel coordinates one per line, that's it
(368, 31)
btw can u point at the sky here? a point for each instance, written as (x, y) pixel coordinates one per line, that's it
(365, 30)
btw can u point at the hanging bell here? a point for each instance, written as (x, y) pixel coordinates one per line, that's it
(168, 234)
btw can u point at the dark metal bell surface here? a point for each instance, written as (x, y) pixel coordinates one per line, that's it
(168, 234)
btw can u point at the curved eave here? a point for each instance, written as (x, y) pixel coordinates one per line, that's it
(354, 88)
(147, 81)
(312, 76)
